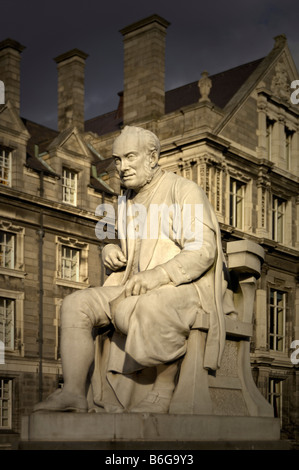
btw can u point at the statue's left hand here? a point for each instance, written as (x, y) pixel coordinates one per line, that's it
(146, 280)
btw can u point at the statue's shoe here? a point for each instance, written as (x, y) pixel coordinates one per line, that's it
(63, 401)
(155, 402)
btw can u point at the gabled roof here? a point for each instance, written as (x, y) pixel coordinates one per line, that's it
(101, 125)
(224, 86)
(99, 185)
(40, 139)
(105, 165)
(40, 135)
(258, 74)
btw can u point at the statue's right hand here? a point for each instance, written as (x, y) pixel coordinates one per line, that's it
(113, 258)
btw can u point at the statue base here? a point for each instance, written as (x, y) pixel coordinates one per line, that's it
(144, 431)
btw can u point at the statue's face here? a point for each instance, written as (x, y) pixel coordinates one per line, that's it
(133, 161)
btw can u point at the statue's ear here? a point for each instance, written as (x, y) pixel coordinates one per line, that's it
(154, 158)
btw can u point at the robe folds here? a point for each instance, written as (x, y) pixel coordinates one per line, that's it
(171, 225)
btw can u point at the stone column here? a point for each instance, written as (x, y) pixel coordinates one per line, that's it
(10, 57)
(144, 69)
(70, 68)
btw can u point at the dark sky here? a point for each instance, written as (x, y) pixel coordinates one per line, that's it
(203, 35)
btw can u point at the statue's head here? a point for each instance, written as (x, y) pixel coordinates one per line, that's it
(136, 153)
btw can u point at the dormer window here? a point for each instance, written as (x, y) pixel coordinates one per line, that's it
(5, 166)
(69, 186)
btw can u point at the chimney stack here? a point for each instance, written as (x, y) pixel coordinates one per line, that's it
(144, 69)
(10, 57)
(71, 74)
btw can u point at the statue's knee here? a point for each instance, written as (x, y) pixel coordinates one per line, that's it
(144, 308)
(71, 301)
(73, 308)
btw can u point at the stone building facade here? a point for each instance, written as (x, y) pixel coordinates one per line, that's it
(234, 133)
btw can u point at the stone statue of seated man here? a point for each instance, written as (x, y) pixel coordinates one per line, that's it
(168, 267)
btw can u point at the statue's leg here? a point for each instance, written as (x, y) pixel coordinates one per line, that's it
(80, 312)
(157, 333)
(158, 400)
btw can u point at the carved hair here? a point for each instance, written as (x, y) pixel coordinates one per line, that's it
(151, 139)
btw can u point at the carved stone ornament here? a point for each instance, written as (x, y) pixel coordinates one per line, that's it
(204, 85)
(280, 85)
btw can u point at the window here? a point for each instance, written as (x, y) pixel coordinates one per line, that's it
(269, 137)
(278, 306)
(278, 213)
(5, 167)
(236, 203)
(70, 264)
(12, 322)
(69, 187)
(5, 403)
(7, 250)
(11, 249)
(288, 147)
(7, 322)
(275, 396)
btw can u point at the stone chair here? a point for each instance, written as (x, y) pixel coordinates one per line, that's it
(231, 391)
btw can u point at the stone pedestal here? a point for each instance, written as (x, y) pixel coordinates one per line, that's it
(147, 431)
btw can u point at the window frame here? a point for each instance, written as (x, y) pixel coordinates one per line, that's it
(70, 259)
(9, 346)
(276, 215)
(3, 252)
(8, 180)
(288, 147)
(273, 395)
(66, 187)
(18, 343)
(8, 400)
(18, 232)
(234, 199)
(274, 334)
(270, 123)
(83, 249)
